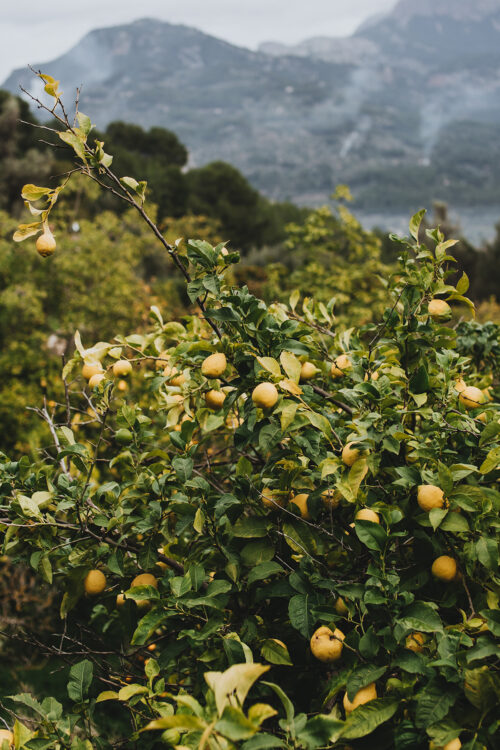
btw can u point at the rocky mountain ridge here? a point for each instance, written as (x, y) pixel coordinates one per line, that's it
(405, 110)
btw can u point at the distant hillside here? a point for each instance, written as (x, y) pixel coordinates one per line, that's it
(405, 110)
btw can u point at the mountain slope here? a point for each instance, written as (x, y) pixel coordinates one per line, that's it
(256, 111)
(385, 110)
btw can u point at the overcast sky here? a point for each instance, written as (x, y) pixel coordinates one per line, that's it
(33, 32)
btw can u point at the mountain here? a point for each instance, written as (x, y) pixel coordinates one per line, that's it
(405, 110)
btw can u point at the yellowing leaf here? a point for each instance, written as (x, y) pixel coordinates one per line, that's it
(288, 414)
(129, 691)
(291, 365)
(357, 473)
(231, 687)
(33, 192)
(27, 230)
(291, 387)
(270, 364)
(107, 695)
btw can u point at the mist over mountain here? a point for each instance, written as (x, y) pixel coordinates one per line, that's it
(405, 111)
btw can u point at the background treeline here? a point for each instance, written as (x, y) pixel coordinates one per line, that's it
(107, 270)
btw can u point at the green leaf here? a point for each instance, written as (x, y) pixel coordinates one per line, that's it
(421, 616)
(320, 422)
(27, 700)
(419, 381)
(285, 700)
(249, 527)
(84, 123)
(288, 414)
(142, 593)
(444, 731)
(480, 689)
(254, 553)
(363, 676)
(455, 522)
(366, 718)
(490, 431)
(487, 552)
(300, 614)
(433, 703)
(436, 516)
(491, 462)
(299, 537)
(234, 725)
(80, 679)
(372, 535)
(76, 143)
(275, 652)
(183, 468)
(182, 722)
(320, 731)
(147, 625)
(415, 223)
(262, 741)
(463, 284)
(263, 571)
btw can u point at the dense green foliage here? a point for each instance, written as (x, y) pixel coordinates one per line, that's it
(243, 513)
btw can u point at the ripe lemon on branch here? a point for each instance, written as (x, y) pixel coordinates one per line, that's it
(326, 644)
(214, 365)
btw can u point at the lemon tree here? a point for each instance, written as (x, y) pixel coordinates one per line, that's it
(266, 567)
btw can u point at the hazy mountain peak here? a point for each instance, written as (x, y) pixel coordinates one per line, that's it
(460, 10)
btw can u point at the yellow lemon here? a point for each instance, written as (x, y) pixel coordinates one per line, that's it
(95, 582)
(331, 499)
(91, 368)
(429, 496)
(122, 368)
(365, 695)
(307, 372)
(45, 244)
(326, 645)
(415, 642)
(452, 745)
(350, 455)
(444, 568)
(215, 399)
(6, 736)
(144, 579)
(438, 308)
(471, 397)
(265, 395)
(162, 360)
(340, 365)
(272, 498)
(174, 377)
(214, 365)
(301, 502)
(96, 380)
(340, 607)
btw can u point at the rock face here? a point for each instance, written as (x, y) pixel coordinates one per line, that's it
(404, 111)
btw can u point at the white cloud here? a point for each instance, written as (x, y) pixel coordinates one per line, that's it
(34, 32)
